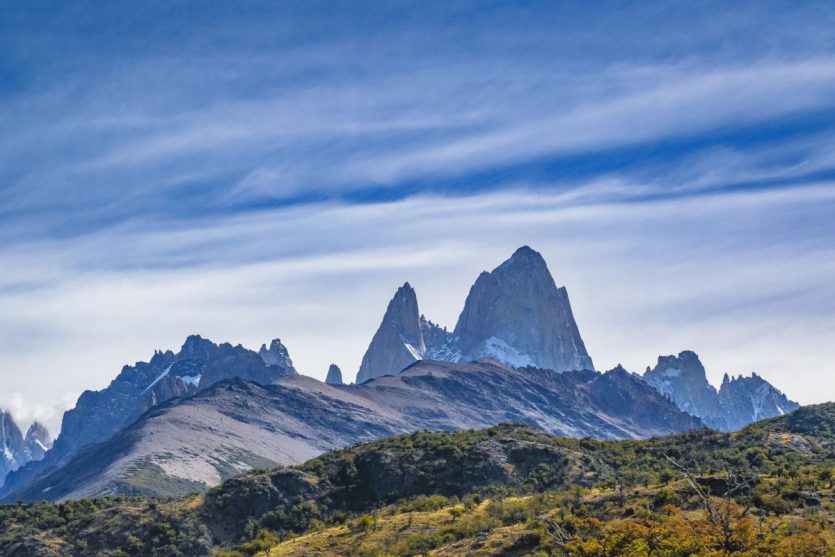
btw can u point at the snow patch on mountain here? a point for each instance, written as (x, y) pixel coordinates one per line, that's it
(494, 347)
(159, 378)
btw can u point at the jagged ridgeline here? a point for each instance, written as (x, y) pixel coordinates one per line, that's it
(185, 421)
(507, 490)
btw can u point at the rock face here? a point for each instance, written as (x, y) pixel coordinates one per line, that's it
(334, 375)
(17, 450)
(187, 445)
(514, 314)
(199, 364)
(13, 454)
(517, 315)
(684, 380)
(736, 404)
(229, 361)
(277, 355)
(748, 399)
(398, 341)
(37, 441)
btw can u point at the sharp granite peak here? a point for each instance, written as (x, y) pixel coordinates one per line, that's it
(518, 315)
(18, 450)
(515, 314)
(398, 341)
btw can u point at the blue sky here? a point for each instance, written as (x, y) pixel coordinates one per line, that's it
(252, 170)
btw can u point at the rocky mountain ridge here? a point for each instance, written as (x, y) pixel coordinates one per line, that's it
(198, 364)
(738, 402)
(191, 444)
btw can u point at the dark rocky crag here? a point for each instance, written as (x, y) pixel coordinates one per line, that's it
(12, 451)
(17, 450)
(37, 441)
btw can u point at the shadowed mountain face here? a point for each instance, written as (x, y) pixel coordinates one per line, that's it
(737, 403)
(188, 445)
(514, 314)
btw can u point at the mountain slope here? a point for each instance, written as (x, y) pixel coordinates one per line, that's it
(185, 446)
(506, 490)
(190, 444)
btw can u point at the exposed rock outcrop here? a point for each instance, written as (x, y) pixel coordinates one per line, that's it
(684, 380)
(749, 399)
(334, 375)
(277, 355)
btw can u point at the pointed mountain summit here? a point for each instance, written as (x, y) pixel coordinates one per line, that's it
(398, 341)
(334, 375)
(517, 315)
(37, 441)
(277, 355)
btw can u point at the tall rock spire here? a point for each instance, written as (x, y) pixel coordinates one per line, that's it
(398, 341)
(334, 375)
(517, 314)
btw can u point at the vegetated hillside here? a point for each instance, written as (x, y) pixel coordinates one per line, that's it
(506, 490)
